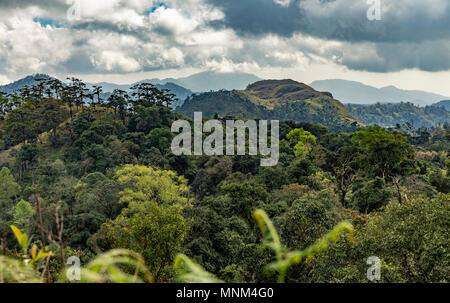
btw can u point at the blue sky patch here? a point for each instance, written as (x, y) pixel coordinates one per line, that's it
(44, 22)
(154, 8)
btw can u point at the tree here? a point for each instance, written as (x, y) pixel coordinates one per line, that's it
(96, 192)
(145, 94)
(245, 196)
(387, 155)
(22, 214)
(68, 96)
(4, 105)
(303, 142)
(141, 183)
(9, 190)
(370, 195)
(155, 231)
(78, 91)
(344, 170)
(19, 126)
(48, 115)
(119, 102)
(97, 91)
(152, 224)
(27, 159)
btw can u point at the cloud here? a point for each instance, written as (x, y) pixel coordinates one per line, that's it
(343, 20)
(115, 61)
(168, 21)
(119, 36)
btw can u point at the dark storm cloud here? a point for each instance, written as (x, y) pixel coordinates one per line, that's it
(50, 5)
(273, 33)
(343, 20)
(259, 17)
(79, 62)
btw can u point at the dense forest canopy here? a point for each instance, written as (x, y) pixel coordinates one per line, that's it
(393, 114)
(99, 181)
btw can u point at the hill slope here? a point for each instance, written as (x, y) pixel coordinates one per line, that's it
(29, 80)
(443, 103)
(273, 99)
(357, 93)
(389, 115)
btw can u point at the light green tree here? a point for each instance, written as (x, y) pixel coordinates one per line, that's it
(303, 141)
(152, 224)
(23, 213)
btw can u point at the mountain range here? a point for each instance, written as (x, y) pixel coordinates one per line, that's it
(211, 81)
(351, 92)
(181, 87)
(181, 92)
(224, 94)
(273, 100)
(200, 82)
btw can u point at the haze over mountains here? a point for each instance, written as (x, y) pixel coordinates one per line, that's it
(201, 82)
(352, 92)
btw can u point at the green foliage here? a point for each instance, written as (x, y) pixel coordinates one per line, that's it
(303, 142)
(387, 154)
(284, 258)
(9, 190)
(99, 178)
(108, 268)
(156, 232)
(190, 272)
(440, 180)
(23, 213)
(370, 195)
(152, 223)
(410, 239)
(390, 115)
(24, 242)
(15, 271)
(141, 184)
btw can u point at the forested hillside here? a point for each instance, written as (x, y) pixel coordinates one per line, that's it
(276, 100)
(99, 181)
(390, 115)
(444, 103)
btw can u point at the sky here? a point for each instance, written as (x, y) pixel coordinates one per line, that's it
(405, 43)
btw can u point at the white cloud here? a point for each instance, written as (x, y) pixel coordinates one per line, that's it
(27, 46)
(123, 37)
(115, 61)
(285, 3)
(171, 21)
(4, 80)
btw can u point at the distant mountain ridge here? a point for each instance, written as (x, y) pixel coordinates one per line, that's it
(181, 87)
(211, 81)
(273, 100)
(29, 80)
(181, 92)
(352, 92)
